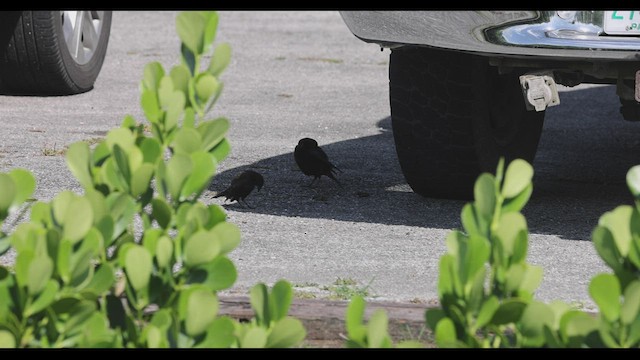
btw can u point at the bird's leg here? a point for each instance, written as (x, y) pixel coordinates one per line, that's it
(312, 181)
(247, 204)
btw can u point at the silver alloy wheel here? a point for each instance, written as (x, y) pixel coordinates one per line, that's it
(81, 31)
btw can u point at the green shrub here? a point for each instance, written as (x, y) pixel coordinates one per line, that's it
(486, 288)
(85, 276)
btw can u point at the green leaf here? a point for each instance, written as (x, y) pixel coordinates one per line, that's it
(165, 91)
(534, 318)
(63, 263)
(189, 118)
(517, 178)
(229, 236)
(40, 271)
(151, 150)
(532, 278)
(5, 244)
(618, 222)
(25, 185)
(218, 215)
(605, 291)
(218, 274)
(202, 307)
(559, 309)
(631, 305)
(634, 333)
(509, 311)
(432, 316)
(161, 212)
(45, 298)
(210, 28)
(100, 153)
(7, 194)
(122, 208)
(41, 213)
(79, 161)
(60, 205)
(206, 86)
(221, 150)
(150, 105)
(576, 325)
(280, 300)
(259, 297)
(79, 313)
(633, 181)
(488, 309)
(445, 333)
(634, 248)
(98, 204)
(7, 340)
(164, 251)
(377, 334)
(448, 281)
(213, 132)
(76, 227)
(286, 333)
(220, 334)
(189, 60)
(215, 97)
(187, 141)
(102, 280)
(473, 257)
(122, 137)
(178, 169)
(190, 27)
(510, 227)
(200, 248)
(517, 203)
(180, 76)
(220, 59)
(469, 220)
(485, 196)
(354, 317)
(162, 319)
(154, 338)
(141, 179)
(520, 245)
(255, 338)
(153, 74)
(175, 107)
(606, 247)
(138, 265)
(203, 170)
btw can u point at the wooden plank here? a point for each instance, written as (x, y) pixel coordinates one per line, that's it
(324, 319)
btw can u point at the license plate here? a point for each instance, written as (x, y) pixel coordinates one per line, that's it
(622, 22)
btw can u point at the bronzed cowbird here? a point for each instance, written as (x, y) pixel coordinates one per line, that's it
(241, 186)
(313, 161)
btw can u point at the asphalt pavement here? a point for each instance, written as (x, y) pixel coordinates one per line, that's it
(303, 74)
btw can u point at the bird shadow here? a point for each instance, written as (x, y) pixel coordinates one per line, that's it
(580, 173)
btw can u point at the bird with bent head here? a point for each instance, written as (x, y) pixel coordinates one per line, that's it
(241, 186)
(313, 161)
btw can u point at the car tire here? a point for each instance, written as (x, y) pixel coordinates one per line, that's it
(453, 116)
(38, 51)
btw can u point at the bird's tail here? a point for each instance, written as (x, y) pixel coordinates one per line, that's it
(222, 193)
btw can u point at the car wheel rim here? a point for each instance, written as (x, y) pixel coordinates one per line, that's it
(81, 31)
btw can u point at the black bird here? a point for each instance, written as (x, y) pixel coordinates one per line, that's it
(241, 186)
(313, 161)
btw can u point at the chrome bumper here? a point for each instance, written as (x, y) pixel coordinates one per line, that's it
(519, 34)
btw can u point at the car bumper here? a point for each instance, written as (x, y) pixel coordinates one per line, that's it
(515, 34)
